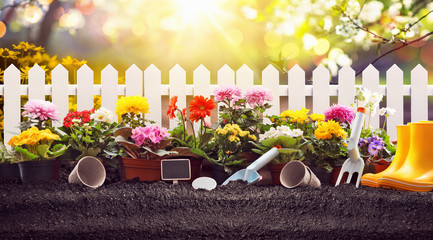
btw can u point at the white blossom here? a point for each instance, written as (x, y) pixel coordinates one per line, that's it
(371, 11)
(102, 115)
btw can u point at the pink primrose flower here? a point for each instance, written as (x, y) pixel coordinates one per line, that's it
(40, 109)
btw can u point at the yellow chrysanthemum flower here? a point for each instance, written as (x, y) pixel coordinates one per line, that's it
(317, 117)
(132, 104)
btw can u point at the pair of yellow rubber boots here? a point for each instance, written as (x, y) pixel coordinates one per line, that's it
(412, 166)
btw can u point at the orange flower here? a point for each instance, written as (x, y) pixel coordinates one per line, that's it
(184, 112)
(200, 107)
(172, 107)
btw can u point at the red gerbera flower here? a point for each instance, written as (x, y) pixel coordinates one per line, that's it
(172, 107)
(200, 107)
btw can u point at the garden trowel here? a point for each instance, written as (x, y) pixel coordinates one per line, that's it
(354, 164)
(250, 174)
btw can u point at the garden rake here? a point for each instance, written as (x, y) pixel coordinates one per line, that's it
(354, 164)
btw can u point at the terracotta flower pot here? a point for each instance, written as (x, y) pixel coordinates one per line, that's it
(381, 165)
(9, 171)
(145, 170)
(195, 160)
(275, 169)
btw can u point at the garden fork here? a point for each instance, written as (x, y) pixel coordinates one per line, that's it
(354, 164)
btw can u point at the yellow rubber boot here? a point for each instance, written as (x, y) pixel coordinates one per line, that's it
(416, 173)
(403, 142)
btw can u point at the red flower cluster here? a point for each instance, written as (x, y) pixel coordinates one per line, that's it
(83, 116)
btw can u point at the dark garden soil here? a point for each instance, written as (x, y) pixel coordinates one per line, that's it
(160, 210)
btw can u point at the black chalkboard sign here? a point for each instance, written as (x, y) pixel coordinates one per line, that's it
(175, 169)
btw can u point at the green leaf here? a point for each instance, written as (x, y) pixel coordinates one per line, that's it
(57, 150)
(287, 142)
(258, 151)
(270, 142)
(42, 150)
(28, 155)
(289, 151)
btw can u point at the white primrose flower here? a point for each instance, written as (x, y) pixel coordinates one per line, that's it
(297, 132)
(382, 112)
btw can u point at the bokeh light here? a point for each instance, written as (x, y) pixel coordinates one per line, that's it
(272, 39)
(32, 14)
(321, 47)
(2, 29)
(45, 2)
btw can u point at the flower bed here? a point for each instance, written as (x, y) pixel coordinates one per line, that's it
(135, 210)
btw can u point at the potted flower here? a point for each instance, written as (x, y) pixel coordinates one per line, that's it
(292, 143)
(145, 147)
(132, 109)
(8, 167)
(40, 114)
(35, 154)
(182, 142)
(329, 150)
(245, 110)
(375, 145)
(225, 150)
(91, 133)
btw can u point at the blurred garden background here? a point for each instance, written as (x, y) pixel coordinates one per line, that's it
(334, 33)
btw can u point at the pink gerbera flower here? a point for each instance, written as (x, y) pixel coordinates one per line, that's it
(229, 92)
(40, 109)
(257, 96)
(339, 113)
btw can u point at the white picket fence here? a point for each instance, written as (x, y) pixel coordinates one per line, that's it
(149, 81)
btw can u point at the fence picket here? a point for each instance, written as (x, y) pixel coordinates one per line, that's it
(152, 91)
(320, 89)
(59, 79)
(36, 88)
(271, 80)
(177, 77)
(225, 76)
(201, 80)
(296, 78)
(418, 94)
(346, 86)
(370, 80)
(134, 81)
(12, 102)
(109, 82)
(244, 78)
(84, 88)
(394, 99)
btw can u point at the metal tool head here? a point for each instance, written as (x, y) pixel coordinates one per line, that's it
(251, 176)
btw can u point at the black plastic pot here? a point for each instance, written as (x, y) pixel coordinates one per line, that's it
(323, 175)
(37, 171)
(9, 171)
(218, 174)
